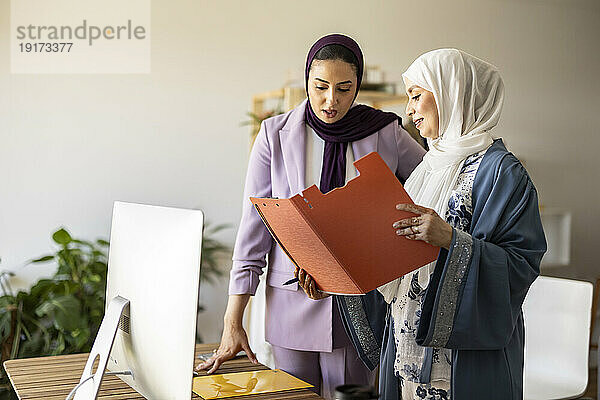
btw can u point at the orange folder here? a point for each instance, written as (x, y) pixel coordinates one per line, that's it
(344, 239)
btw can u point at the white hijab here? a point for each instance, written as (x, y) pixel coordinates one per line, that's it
(469, 94)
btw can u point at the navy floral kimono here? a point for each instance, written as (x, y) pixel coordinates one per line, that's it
(472, 304)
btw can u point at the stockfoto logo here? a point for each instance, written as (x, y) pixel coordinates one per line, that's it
(82, 36)
(91, 33)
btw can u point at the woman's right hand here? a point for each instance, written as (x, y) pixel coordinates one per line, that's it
(233, 341)
(307, 283)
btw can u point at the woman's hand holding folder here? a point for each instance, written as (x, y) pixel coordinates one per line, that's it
(308, 284)
(427, 226)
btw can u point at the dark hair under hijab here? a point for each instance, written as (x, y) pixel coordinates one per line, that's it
(359, 122)
(337, 52)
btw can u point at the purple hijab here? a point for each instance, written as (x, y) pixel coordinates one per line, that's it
(359, 122)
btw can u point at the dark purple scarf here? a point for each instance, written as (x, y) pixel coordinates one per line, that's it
(359, 122)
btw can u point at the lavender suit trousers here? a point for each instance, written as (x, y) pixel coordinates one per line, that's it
(326, 370)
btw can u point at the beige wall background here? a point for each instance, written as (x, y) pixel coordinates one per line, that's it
(72, 144)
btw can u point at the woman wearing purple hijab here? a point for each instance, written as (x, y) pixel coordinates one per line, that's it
(315, 143)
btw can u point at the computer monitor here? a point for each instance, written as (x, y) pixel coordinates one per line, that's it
(154, 264)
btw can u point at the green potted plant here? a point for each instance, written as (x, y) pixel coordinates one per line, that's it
(61, 314)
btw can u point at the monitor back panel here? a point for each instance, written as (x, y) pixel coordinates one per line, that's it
(154, 262)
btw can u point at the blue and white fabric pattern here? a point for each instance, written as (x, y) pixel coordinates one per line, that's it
(410, 357)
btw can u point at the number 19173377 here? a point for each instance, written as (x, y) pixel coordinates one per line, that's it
(45, 47)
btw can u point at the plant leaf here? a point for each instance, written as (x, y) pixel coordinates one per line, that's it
(83, 242)
(41, 289)
(65, 312)
(5, 322)
(60, 344)
(43, 259)
(79, 337)
(61, 236)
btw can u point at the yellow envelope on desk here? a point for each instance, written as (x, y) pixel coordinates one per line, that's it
(245, 383)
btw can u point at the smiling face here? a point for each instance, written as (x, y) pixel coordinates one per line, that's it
(331, 89)
(422, 109)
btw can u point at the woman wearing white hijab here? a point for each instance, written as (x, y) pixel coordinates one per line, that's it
(456, 326)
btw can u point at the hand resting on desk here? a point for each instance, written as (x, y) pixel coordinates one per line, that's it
(234, 337)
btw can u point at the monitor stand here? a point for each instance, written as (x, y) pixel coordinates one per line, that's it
(90, 381)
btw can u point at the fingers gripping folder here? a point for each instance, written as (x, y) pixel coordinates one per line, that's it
(344, 239)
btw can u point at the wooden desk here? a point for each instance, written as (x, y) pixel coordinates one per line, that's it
(52, 378)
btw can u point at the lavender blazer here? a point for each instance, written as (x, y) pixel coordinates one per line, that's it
(277, 169)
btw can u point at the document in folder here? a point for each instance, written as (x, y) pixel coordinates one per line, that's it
(245, 384)
(344, 239)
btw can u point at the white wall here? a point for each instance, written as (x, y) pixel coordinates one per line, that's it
(72, 144)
